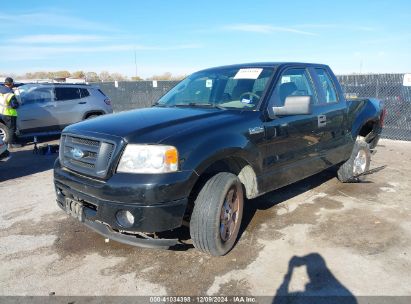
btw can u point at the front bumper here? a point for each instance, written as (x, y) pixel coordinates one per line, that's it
(158, 203)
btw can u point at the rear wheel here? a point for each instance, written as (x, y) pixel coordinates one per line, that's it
(92, 116)
(4, 132)
(357, 164)
(217, 214)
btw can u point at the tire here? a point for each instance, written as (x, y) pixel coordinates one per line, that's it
(4, 132)
(206, 228)
(92, 116)
(357, 164)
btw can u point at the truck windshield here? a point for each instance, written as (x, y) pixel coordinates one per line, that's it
(234, 88)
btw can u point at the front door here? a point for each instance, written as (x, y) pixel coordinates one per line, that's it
(36, 111)
(291, 147)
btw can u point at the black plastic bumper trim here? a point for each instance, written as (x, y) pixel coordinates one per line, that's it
(132, 240)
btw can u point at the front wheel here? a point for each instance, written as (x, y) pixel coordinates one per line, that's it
(216, 218)
(4, 133)
(357, 164)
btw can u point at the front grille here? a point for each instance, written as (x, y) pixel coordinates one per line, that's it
(86, 155)
(84, 141)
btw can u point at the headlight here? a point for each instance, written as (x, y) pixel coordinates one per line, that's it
(148, 159)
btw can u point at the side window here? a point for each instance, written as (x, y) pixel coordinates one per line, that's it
(84, 93)
(67, 93)
(327, 86)
(293, 82)
(40, 95)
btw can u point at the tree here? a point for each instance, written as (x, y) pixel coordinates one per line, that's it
(136, 78)
(166, 76)
(92, 77)
(105, 76)
(78, 74)
(118, 76)
(62, 74)
(36, 75)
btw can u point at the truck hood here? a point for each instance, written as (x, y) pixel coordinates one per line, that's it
(150, 125)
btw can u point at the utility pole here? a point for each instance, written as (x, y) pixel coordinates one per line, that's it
(135, 61)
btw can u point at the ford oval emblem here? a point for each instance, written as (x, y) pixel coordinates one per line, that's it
(77, 153)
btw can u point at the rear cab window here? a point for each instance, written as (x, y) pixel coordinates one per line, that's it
(327, 86)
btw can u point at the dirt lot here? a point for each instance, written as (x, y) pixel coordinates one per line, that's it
(315, 237)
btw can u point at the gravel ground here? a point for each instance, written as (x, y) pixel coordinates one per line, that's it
(315, 237)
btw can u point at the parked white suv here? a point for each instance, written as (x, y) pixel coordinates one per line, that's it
(47, 108)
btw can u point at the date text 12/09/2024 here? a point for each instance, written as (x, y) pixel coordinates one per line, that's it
(203, 299)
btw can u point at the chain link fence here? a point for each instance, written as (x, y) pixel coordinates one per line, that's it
(129, 95)
(386, 87)
(390, 89)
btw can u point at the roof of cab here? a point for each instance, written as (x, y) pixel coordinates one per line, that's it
(265, 65)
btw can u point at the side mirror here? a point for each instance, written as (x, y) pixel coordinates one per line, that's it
(293, 105)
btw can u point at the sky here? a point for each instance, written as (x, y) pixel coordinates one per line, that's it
(182, 36)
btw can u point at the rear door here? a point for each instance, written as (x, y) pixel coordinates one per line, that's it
(291, 147)
(71, 104)
(330, 110)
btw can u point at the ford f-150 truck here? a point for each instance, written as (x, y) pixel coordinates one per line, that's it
(218, 137)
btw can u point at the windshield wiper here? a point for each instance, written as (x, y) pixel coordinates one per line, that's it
(201, 105)
(159, 105)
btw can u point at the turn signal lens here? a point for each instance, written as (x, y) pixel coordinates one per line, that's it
(171, 157)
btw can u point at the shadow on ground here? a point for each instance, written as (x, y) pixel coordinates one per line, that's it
(24, 163)
(278, 196)
(323, 286)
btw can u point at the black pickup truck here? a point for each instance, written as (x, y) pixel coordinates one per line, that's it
(218, 137)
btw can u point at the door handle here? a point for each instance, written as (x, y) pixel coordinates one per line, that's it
(322, 120)
(82, 102)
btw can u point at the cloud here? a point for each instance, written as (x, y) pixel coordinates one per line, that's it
(335, 26)
(51, 20)
(27, 52)
(169, 48)
(46, 38)
(265, 29)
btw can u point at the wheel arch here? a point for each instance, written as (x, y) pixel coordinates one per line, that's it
(92, 112)
(367, 127)
(232, 163)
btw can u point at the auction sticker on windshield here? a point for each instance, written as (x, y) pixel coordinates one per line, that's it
(248, 74)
